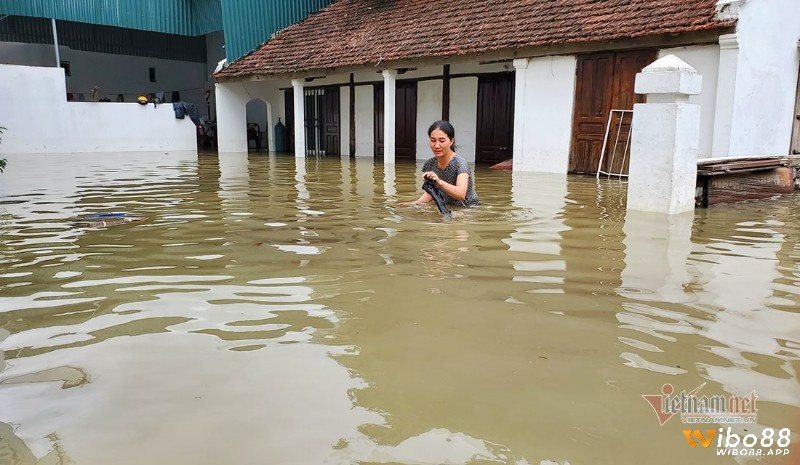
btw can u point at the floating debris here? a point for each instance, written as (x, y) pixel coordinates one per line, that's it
(102, 220)
(70, 377)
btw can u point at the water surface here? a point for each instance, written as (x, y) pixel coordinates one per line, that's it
(268, 311)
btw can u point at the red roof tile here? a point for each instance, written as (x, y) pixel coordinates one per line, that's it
(359, 32)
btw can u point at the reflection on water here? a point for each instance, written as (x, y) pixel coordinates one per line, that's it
(268, 311)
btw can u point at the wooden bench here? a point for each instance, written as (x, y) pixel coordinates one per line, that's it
(729, 180)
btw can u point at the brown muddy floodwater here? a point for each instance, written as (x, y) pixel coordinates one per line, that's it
(268, 312)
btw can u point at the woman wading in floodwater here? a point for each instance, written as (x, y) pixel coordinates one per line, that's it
(447, 169)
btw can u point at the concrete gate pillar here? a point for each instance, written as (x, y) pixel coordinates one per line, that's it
(665, 138)
(520, 84)
(299, 118)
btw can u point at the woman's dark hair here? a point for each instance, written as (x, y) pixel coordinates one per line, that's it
(445, 127)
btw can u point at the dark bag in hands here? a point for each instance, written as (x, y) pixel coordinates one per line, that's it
(433, 190)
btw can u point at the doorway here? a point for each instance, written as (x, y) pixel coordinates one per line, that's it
(322, 121)
(257, 130)
(495, 118)
(604, 82)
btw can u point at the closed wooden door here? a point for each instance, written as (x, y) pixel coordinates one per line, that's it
(405, 122)
(378, 121)
(405, 129)
(495, 118)
(289, 136)
(604, 82)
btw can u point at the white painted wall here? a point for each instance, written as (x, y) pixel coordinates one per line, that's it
(464, 114)
(705, 60)
(726, 87)
(39, 119)
(365, 116)
(429, 109)
(766, 77)
(232, 98)
(472, 68)
(549, 99)
(422, 72)
(115, 74)
(239, 103)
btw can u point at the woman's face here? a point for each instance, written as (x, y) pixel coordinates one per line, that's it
(440, 143)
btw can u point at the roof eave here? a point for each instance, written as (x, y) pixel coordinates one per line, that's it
(664, 40)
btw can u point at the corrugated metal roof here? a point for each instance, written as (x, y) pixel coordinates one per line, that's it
(206, 16)
(168, 16)
(248, 24)
(104, 39)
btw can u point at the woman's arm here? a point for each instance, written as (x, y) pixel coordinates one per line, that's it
(423, 199)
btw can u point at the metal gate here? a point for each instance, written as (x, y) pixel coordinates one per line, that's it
(322, 121)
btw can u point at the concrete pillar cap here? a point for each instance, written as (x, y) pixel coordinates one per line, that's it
(669, 63)
(668, 75)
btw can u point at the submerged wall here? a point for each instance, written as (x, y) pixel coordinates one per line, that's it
(38, 119)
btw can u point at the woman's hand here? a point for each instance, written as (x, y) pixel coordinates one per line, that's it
(431, 176)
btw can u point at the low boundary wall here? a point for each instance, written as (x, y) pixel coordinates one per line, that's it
(39, 119)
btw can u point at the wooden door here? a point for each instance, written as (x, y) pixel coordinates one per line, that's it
(378, 121)
(330, 121)
(288, 100)
(495, 118)
(405, 128)
(405, 122)
(604, 82)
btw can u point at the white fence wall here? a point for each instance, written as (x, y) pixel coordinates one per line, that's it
(116, 74)
(38, 119)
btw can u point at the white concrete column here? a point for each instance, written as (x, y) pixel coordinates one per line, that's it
(299, 119)
(344, 121)
(520, 82)
(389, 112)
(232, 101)
(665, 138)
(726, 87)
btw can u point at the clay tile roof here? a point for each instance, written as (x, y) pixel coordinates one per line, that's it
(359, 32)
